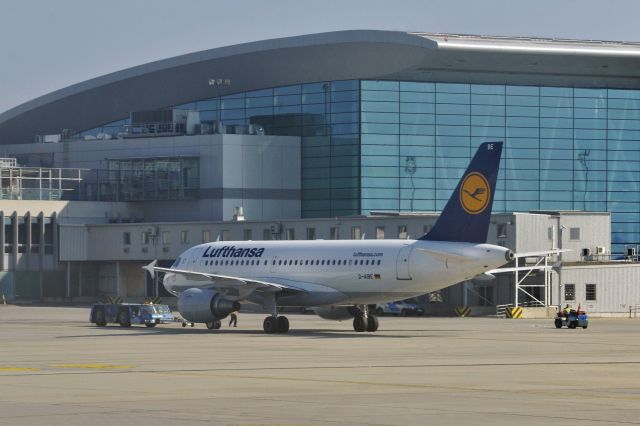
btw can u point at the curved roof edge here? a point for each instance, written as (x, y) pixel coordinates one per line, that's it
(340, 55)
(319, 39)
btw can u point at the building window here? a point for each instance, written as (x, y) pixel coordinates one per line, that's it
(35, 235)
(126, 238)
(402, 232)
(356, 234)
(550, 233)
(379, 232)
(569, 292)
(184, 237)
(574, 234)
(266, 234)
(166, 237)
(206, 236)
(146, 236)
(48, 235)
(590, 292)
(247, 234)
(311, 233)
(335, 233)
(502, 230)
(291, 233)
(226, 235)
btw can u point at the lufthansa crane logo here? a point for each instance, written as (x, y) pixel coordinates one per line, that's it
(475, 193)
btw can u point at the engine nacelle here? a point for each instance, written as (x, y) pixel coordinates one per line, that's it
(204, 305)
(338, 313)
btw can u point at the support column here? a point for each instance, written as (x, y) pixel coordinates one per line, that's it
(68, 292)
(2, 239)
(118, 292)
(27, 246)
(465, 288)
(517, 284)
(14, 232)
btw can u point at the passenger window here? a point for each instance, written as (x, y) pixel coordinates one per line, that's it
(333, 262)
(378, 261)
(296, 262)
(279, 262)
(322, 261)
(367, 262)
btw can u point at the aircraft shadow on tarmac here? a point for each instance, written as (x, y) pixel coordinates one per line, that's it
(310, 333)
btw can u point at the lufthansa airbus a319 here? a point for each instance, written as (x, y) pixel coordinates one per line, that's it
(340, 278)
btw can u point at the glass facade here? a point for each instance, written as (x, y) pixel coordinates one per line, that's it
(402, 146)
(565, 148)
(146, 179)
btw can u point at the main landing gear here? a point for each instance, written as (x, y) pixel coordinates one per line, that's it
(273, 323)
(365, 321)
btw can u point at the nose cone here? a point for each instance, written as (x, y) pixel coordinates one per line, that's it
(509, 256)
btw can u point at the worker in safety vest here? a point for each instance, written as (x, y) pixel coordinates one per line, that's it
(567, 310)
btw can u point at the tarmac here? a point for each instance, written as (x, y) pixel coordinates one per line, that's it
(58, 369)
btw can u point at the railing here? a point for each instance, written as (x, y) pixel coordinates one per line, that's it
(633, 311)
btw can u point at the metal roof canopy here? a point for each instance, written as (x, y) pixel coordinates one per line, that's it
(342, 55)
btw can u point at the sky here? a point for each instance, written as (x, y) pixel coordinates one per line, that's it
(47, 45)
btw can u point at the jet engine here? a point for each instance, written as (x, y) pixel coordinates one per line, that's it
(204, 305)
(338, 313)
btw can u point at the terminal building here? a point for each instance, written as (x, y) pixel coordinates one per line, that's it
(300, 133)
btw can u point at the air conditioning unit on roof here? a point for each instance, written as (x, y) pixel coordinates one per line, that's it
(601, 250)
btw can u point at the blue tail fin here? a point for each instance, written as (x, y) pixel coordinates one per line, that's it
(466, 216)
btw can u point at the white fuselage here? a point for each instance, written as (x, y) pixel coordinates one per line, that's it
(340, 272)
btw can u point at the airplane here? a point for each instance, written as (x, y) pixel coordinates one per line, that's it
(341, 278)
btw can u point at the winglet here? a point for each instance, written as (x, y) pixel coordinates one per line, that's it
(466, 216)
(150, 268)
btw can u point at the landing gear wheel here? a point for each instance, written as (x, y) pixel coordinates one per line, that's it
(270, 325)
(379, 312)
(184, 324)
(283, 324)
(215, 325)
(150, 324)
(123, 319)
(372, 323)
(100, 321)
(359, 324)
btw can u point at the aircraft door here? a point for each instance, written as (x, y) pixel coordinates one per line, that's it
(402, 263)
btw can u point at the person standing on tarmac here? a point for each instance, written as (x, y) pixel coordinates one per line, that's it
(234, 319)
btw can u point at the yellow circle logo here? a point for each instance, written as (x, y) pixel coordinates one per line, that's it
(474, 193)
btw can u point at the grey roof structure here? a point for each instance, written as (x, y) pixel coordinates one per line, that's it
(357, 54)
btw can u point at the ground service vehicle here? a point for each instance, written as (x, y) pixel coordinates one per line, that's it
(572, 319)
(403, 308)
(126, 314)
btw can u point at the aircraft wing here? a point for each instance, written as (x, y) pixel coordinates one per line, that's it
(226, 282)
